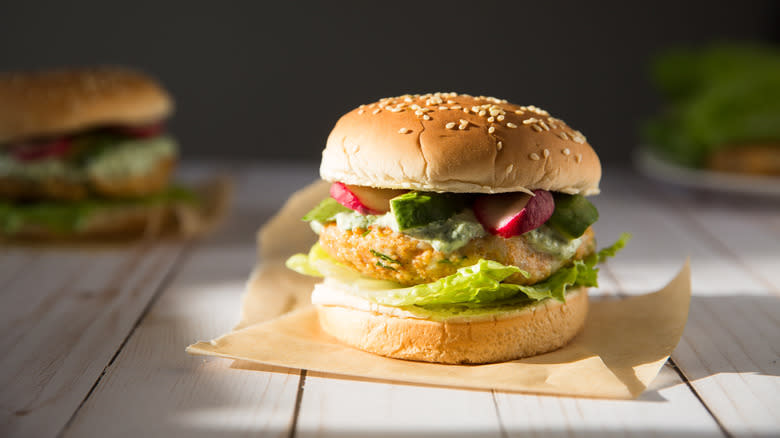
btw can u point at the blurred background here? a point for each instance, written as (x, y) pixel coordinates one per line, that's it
(267, 80)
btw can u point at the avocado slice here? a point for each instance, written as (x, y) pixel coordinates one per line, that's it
(415, 209)
(325, 211)
(573, 215)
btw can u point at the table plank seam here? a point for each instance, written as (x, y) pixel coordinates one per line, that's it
(168, 278)
(687, 382)
(501, 427)
(297, 408)
(621, 293)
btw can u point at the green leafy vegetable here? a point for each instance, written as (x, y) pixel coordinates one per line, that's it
(573, 215)
(720, 96)
(384, 256)
(325, 211)
(382, 265)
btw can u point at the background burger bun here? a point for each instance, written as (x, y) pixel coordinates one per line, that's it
(544, 327)
(429, 142)
(51, 103)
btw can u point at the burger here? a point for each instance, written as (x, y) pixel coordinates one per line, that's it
(457, 230)
(721, 109)
(85, 153)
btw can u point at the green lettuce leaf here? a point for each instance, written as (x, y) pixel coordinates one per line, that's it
(474, 286)
(325, 211)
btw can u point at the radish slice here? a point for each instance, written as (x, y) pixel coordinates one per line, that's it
(512, 214)
(41, 150)
(364, 200)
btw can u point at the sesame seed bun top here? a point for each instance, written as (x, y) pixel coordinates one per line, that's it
(64, 101)
(451, 142)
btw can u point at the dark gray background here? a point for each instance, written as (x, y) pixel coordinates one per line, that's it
(268, 81)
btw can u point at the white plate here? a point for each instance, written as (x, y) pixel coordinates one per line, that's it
(655, 167)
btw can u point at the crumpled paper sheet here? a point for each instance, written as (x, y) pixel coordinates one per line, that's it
(622, 348)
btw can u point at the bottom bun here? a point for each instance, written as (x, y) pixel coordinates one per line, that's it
(537, 329)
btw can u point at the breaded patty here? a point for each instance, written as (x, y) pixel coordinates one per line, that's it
(385, 254)
(57, 188)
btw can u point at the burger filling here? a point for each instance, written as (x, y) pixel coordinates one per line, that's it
(436, 255)
(60, 183)
(102, 154)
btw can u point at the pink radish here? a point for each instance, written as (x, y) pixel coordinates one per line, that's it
(364, 200)
(512, 214)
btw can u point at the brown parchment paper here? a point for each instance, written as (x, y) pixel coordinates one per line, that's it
(622, 348)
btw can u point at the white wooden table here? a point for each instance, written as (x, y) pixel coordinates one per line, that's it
(93, 340)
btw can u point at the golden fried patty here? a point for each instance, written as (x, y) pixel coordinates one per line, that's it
(388, 255)
(57, 188)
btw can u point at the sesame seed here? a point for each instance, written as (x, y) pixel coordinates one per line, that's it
(403, 130)
(509, 168)
(566, 151)
(426, 117)
(443, 108)
(534, 156)
(450, 125)
(537, 128)
(376, 111)
(544, 125)
(578, 158)
(466, 110)
(475, 109)
(500, 117)
(511, 125)
(563, 136)
(499, 145)
(456, 106)
(491, 119)
(491, 130)
(546, 153)
(495, 111)
(482, 113)
(519, 112)
(529, 121)
(360, 111)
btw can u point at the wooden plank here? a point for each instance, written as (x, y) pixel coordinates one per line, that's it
(155, 389)
(337, 407)
(729, 348)
(745, 230)
(12, 264)
(63, 318)
(668, 408)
